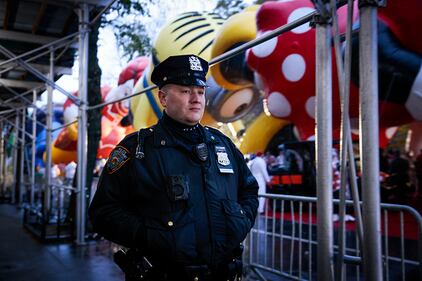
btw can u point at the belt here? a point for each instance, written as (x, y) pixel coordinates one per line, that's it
(195, 273)
(138, 268)
(231, 271)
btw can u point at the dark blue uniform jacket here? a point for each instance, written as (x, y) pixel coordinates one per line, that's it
(172, 206)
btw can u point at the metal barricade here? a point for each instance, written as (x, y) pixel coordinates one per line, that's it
(57, 223)
(283, 242)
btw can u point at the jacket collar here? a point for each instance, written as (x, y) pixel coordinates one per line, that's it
(163, 138)
(209, 137)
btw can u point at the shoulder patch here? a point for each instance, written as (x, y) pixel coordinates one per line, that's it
(117, 158)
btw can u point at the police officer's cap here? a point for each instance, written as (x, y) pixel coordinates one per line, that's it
(187, 70)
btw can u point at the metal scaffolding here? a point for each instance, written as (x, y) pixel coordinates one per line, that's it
(2, 160)
(82, 124)
(322, 18)
(323, 147)
(369, 153)
(19, 114)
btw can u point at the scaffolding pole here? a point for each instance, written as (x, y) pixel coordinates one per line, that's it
(48, 140)
(33, 147)
(2, 160)
(22, 186)
(323, 146)
(82, 123)
(369, 154)
(15, 159)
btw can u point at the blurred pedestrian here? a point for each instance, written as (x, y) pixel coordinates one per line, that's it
(259, 170)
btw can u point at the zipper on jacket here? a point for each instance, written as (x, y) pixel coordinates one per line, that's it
(204, 180)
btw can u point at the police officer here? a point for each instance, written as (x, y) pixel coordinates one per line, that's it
(178, 194)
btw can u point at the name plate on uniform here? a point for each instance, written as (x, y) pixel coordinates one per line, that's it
(223, 161)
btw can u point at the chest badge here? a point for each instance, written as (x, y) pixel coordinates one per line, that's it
(201, 151)
(222, 157)
(223, 161)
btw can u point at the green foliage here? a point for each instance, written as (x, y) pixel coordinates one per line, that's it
(126, 19)
(227, 8)
(129, 7)
(133, 40)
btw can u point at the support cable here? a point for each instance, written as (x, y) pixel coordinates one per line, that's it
(64, 125)
(340, 270)
(346, 148)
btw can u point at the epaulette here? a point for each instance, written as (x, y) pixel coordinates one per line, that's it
(142, 134)
(216, 132)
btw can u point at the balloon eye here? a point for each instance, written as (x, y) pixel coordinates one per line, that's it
(240, 108)
(236, 103)
(228, 106)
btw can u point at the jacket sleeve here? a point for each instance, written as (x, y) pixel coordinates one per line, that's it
(109, 211)
(248, 188)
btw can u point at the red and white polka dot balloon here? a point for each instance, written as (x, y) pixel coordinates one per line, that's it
(286, 66)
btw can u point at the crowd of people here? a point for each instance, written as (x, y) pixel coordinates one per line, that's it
(401, 177)
(264, 166)
(286, 160)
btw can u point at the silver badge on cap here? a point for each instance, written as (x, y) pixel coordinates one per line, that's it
(195, 64)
